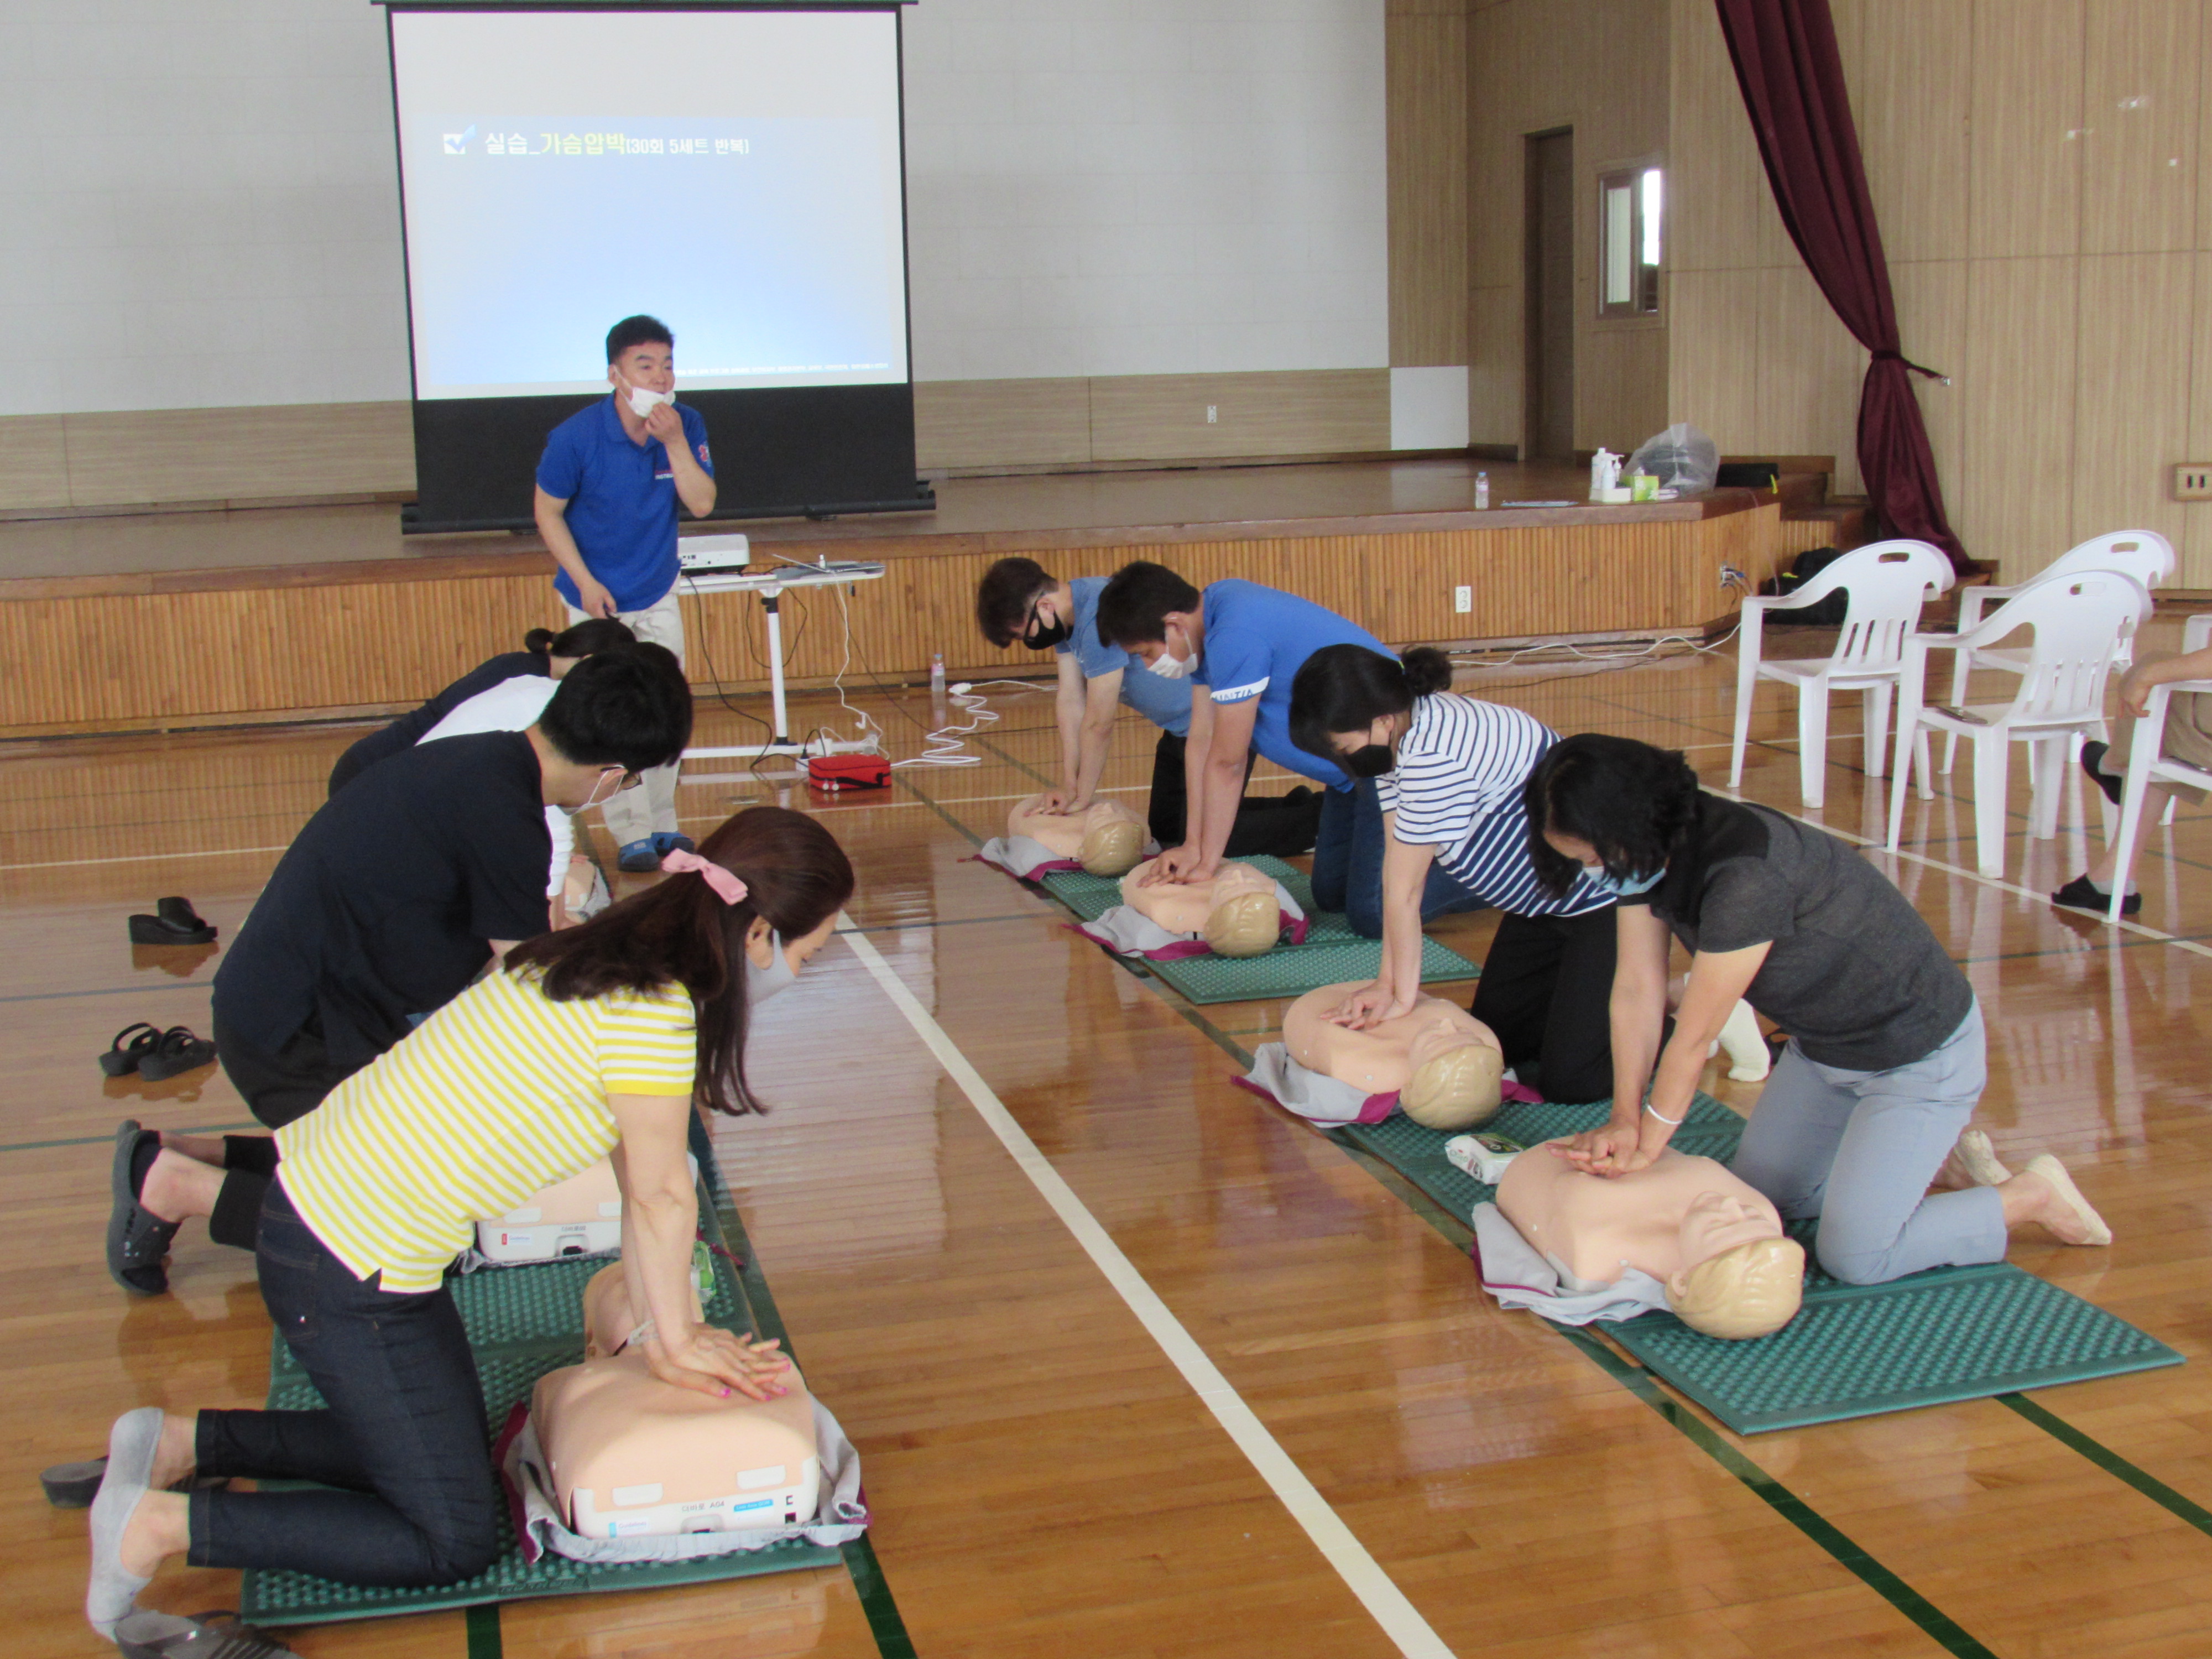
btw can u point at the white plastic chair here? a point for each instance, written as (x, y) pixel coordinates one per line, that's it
(2143, 553)
(2148, 764)
(1887, 582)
(2076, 620)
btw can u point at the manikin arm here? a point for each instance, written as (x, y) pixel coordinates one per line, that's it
(1405, 875)
(660, 1218)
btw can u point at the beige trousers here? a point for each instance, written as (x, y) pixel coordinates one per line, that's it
(2187, 738)
(636, 813)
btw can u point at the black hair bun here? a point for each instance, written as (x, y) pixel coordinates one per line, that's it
(538, 641)
(1428, 670)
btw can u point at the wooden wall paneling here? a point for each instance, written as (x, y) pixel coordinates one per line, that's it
(2141, 73)
(1426, 70)
(1809, 375)
(1621, 371)
(33, 462)
(1909, 103)
(1306, 412)
(2027, 114)
(962, 423)
(1931, 313)
(1496, 367)
(2019, 472)
(1712, 357)
(163, 455)
(1721, 215)
(2196, 548)
(2133, 390)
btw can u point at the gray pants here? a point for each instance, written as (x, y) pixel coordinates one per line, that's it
(1857, 1149)
(634, 814)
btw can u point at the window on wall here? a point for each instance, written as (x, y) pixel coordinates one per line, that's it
(1629, 218)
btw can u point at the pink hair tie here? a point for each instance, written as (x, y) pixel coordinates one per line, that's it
(727, 886)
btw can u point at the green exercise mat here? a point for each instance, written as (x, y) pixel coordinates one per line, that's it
(1331, 954)
(1947, 1334)
(522, 1322)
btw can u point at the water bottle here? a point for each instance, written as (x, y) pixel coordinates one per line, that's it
(937, 686)
(1481, 491)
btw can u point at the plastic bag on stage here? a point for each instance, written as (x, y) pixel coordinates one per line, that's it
(1680, 458)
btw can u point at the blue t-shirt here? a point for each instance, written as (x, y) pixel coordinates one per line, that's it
(1165, 703)
(622, 500)
(1256, 639)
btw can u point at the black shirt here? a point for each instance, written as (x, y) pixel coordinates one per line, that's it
(1854, 974)
(381, 908)
(408, 730)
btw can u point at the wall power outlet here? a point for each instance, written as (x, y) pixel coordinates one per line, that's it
(2192, 481)
(1463, 599)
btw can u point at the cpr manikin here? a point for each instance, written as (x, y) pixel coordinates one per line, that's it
(633, 1457)
(1238, 913)
(1713, 1243)
(1442, 1063)
(1106, 838)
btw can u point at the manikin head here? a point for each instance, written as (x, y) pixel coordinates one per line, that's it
(1741, 1278)
(1456, 1082)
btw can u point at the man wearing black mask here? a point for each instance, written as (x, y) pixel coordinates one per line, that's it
(1018, 599)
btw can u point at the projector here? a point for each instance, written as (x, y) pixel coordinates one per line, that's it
(710, 556)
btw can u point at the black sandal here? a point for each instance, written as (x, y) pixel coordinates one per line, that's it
(137, 1240)
(124, 1058)
(145, 1634)
(177, 1052)
(173, 922)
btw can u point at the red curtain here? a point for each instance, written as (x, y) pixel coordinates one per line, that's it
(1792, 78)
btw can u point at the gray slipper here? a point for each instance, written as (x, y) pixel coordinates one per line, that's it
(202, 1636)
(111, 1592)
(138, 1239)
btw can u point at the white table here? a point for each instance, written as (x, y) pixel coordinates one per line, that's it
(769, 585)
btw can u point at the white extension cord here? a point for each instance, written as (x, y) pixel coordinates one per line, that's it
(947, 745)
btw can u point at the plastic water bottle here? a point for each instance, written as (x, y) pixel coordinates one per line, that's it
(937, 687)
(1481, 491)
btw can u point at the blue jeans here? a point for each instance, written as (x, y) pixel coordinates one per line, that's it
(403, 1435)
(1348, 863)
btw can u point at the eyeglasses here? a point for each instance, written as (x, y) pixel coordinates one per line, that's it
(629, 780)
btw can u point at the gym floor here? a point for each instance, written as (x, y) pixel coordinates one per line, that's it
(1137, 1365)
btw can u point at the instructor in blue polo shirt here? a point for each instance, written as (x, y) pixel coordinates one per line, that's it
(607, 489)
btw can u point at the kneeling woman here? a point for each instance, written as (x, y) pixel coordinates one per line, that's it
(592, 1041)
(1884, 1062)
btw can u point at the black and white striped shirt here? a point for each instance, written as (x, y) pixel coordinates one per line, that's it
(1457, 788)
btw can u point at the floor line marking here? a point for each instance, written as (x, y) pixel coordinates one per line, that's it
(149, 858)
(1385, 1602)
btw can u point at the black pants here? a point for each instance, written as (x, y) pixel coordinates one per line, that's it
(1283, 826)
(277, 1089)
(404, 1437)
(1546, 991)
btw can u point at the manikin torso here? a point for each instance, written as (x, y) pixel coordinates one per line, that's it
(1185, 907)
(1106, 838)
(1380, 1061)
(1665, 1218)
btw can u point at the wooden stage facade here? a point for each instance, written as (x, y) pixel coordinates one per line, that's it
(197, 619)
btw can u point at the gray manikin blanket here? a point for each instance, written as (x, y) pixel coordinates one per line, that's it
(1314, 1096)
(839, 1516)
(1023, 856)
(1520, 1275)
(1127, 931)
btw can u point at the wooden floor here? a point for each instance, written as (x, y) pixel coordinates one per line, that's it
(1048, 1478)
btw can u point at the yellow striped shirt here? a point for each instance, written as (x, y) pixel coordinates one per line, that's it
(499, 1093)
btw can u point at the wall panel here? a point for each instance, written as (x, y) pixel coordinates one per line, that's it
(960, 423)
(2018, 476)
(2141, 69)
(1910, 104)
(85, 660)
(2025, 78)
(2132, 377)
(1315, 412)
(1425, 63)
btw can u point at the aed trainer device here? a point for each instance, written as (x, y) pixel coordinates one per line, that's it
(847, 771)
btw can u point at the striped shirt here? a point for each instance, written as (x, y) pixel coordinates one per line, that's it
(1457, 788)
(500, 1092)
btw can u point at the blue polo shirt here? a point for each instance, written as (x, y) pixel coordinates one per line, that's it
(622, 500)
(1256, 639)
(1165, 703)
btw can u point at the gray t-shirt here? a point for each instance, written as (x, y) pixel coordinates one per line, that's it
(1854, 974)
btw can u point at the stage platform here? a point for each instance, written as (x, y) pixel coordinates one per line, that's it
(136, 621)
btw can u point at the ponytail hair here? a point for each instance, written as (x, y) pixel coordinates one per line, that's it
(679, 931)
(1347, 688)
(592, 633)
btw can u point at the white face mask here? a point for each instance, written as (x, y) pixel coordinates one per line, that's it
(762, 983)
(643, 402)
(1168, 666)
